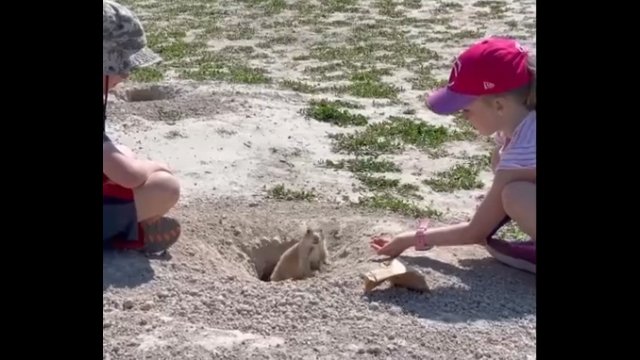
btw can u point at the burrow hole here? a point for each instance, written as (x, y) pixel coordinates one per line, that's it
(266, 256)
(150, 93)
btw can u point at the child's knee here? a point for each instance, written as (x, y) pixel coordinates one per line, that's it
(169, 186)
(515, 193)
(162, 189)
(157, 196)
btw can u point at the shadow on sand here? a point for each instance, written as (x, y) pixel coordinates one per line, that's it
(485, 290)
(126, 269)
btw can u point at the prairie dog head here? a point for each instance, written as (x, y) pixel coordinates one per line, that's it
(313, 236)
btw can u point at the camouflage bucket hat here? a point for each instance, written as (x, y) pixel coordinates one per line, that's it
(124, 43)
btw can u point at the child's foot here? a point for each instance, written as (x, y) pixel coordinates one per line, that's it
(154, 236)
(159, 235)
(517, 254)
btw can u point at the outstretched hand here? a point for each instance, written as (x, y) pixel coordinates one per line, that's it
(391, 248)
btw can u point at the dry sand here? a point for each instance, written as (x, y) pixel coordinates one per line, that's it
(228, 143)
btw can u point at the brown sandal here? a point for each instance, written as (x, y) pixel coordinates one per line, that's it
(159, 235)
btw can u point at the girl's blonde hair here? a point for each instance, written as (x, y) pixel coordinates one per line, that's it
(528, 94)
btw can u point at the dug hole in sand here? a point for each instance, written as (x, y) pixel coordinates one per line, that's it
(207, 298)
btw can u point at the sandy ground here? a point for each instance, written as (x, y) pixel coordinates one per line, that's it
(228, 143)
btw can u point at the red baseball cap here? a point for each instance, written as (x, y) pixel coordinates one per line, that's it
(490, 66)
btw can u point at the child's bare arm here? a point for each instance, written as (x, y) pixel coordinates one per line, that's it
(488, 215)
(125, 170)
(125, 151)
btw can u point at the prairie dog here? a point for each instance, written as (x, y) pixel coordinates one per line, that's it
(319, 254)
(296, 262)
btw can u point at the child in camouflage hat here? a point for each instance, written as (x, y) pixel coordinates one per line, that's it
(136, 193)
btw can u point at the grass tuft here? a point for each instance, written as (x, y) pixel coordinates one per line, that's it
(331, 113)
(398, 205)
(363, 164)
(280, 192)
(392, 136)
(462, 176)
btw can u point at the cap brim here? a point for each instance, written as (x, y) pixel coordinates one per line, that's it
(143, 58)
(445, 101)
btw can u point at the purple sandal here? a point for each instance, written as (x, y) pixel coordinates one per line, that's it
(517, 254)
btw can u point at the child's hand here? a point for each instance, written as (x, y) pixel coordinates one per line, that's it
(391, 248)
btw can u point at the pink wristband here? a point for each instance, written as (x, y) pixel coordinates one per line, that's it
(421, 238)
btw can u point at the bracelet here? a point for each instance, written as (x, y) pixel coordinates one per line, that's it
(421, 238)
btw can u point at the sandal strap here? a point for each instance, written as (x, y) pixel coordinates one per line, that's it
(421, 238)
(160, 235)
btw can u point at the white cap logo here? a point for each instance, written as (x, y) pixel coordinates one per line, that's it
(488, 85)
(455, 71)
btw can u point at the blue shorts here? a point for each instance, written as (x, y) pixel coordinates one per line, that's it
(119, 215)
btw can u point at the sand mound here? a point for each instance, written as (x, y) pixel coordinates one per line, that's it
(207, 300)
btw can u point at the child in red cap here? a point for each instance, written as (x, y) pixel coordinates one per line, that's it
(493, 84)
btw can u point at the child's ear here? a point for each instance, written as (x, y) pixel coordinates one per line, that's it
(498, 104)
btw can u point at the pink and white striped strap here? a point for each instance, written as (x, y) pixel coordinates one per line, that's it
(421, 238)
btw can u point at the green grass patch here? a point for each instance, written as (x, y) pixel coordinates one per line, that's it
(305, 57)
(398, 205)
(240, 32)
(280, 192)
(363, 165)
(299, 86)
(412, 4)
(380, 30)
(388, 8)
(392, 136)
(331, 71)
(399, 52)
(495, 9)
(170, 44)
(371, 89)
(481, 161)
(237, 50)
(267, 7)
(340, 5)
(331, 113)
(462, 176)
(340, 23)
(378, 183)
(512, 24)
(147, 74)
(511, 232)
(219, 69)
(382, 184)
(368, 84)
(277, 40)
(338, 103)
(447, 7)
(462, 35)
(425, 80)
(467, 131)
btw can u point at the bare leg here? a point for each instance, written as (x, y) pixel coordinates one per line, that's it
(157, 196)
(519, 202)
